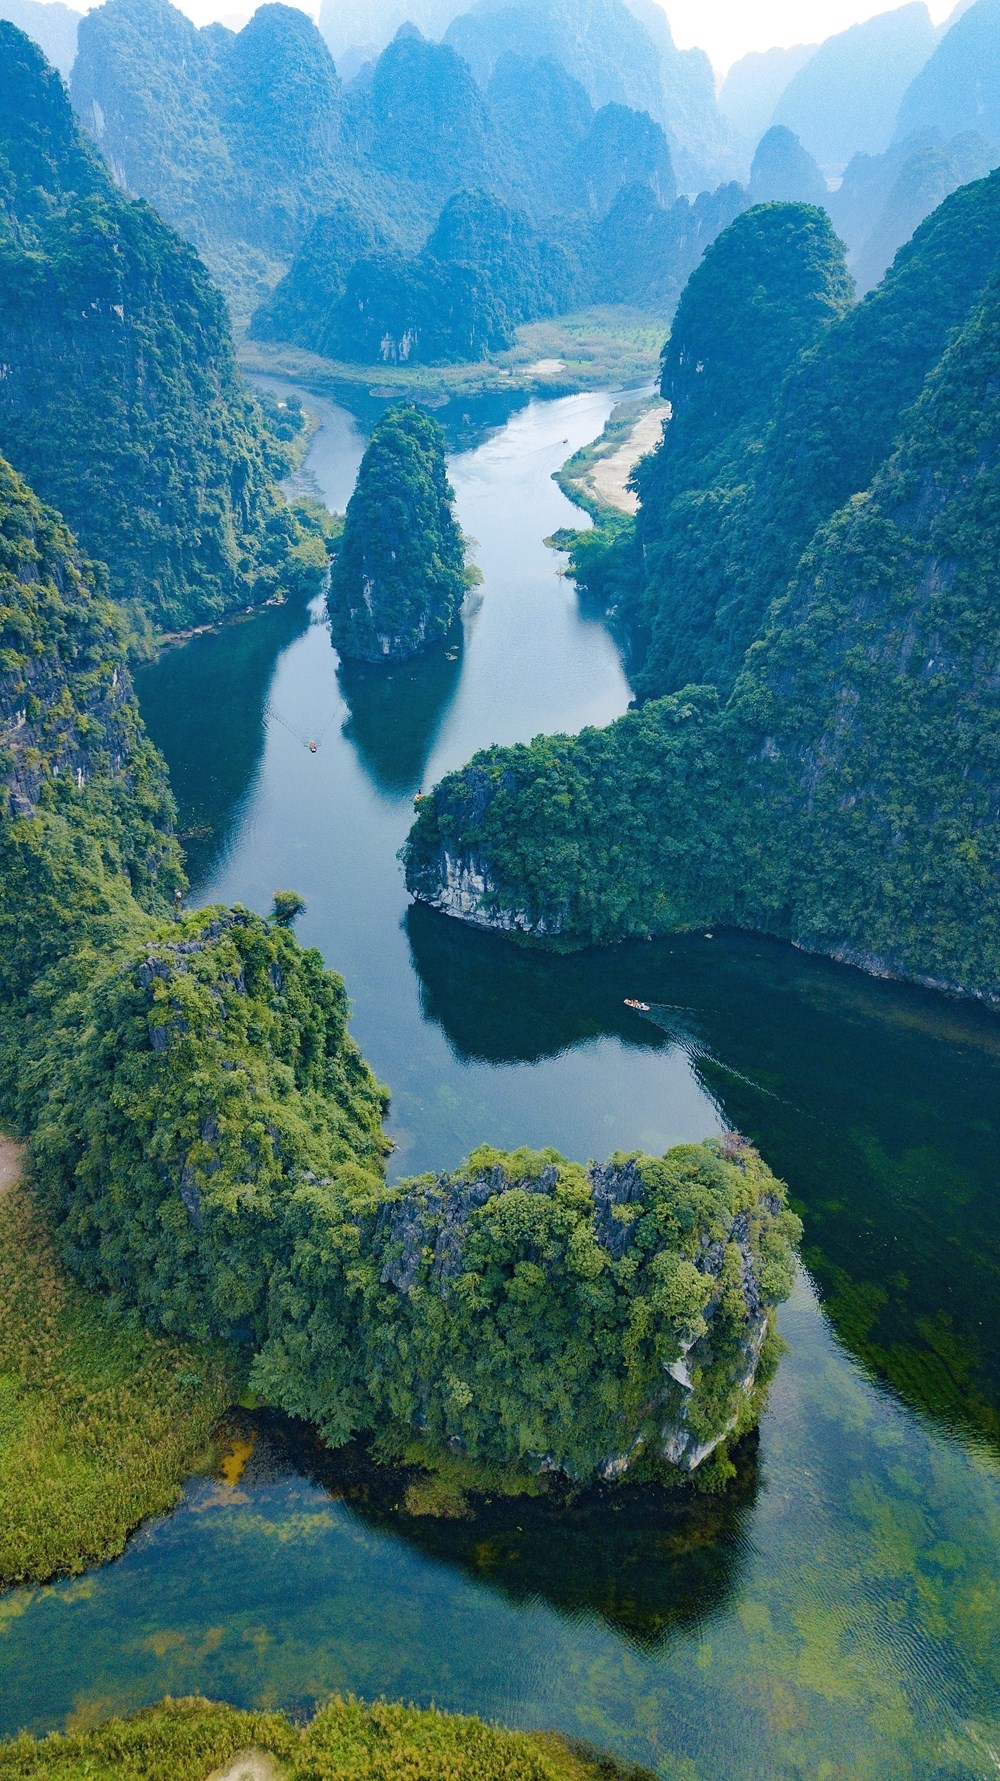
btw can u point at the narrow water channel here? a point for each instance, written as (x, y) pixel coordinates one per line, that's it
(837, 1613)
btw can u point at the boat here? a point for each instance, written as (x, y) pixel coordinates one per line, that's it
(640, 1007)
(313, 747)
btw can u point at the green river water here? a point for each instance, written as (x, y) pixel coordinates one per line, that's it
(837, 1614)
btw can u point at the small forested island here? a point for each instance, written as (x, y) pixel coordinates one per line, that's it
(400, 574)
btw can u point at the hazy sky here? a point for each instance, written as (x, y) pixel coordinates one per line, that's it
(725, 28)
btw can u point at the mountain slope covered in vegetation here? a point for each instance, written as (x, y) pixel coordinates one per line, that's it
(846, 796)
(722, 525)
(121, 401)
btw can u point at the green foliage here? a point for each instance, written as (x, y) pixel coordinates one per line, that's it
(483, 271)
(121, 402)
(846, 797)
(525, 1311)
(303, 309)
(214, 1070)
(100, 1421)
(347, 1741)
(399, 577)
(728, 505)
(85, 810)
(207, 1144)
(762, 293)
(287, 907)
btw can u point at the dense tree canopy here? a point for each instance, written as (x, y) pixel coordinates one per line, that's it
(399, 577)
(121, 401)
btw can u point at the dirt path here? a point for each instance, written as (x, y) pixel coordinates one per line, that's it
(11, 1158)
(608, 476)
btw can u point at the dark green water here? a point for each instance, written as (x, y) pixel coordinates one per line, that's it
(838, 1614)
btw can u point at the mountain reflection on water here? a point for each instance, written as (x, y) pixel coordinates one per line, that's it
(397, 709)
(643, 1559)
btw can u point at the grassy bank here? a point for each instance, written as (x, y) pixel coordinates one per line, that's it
(597, 348)
(194, 1739)
(100, 1422)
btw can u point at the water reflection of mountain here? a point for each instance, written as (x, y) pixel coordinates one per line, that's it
(645, 1560)
(204, 706)
(878, 1103)
(397, 710)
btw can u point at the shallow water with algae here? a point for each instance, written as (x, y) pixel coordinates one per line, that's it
(837, 1613)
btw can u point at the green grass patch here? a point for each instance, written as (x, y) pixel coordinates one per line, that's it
(593, 350)
(100, 1421)
(192, 1739)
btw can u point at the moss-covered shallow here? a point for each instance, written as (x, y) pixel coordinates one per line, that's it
(189, 1740)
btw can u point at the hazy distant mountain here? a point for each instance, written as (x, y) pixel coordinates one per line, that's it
(844, 100)
(783, 171)
(916, 181)
(959, 87)
(700, 138)
(419, 116)
(622, 148)
(371, 24)
(547, 116)
(643, 254)
(599, 42)
(754, 85)
(616, 57)
(50, 24)
(234, 138)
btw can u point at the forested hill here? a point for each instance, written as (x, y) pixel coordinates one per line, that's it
(694, 595)
(847, 793)
(121, 401)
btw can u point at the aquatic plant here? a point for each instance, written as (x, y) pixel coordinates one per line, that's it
(347, 1741)
(101, 1420)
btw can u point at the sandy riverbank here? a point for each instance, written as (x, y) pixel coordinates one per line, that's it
(596, 476)
(608, 476)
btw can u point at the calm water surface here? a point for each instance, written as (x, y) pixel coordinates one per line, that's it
(838, 1613)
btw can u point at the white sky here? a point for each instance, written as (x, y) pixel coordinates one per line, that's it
(727, 29)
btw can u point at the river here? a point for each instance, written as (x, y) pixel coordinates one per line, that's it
(837, 1613)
